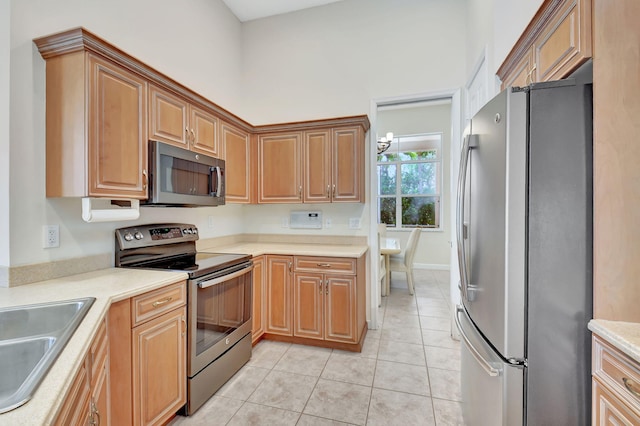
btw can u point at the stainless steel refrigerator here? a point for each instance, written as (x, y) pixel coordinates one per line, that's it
(524, 214)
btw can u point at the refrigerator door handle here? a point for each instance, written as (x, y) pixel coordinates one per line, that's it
(486, 365)
(470, 142)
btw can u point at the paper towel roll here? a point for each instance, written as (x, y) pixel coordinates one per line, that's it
(109, 215)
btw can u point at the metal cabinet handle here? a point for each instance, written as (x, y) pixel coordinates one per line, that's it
(326, 287)
(290, 267)
(323, 265)
(470, 142)
(328, 191)
(187, 135)
(493, 372)
(162, 302)
(630, 385)
(145, 179)
(184, 326)
(193, 135)
(320, 286)
(334, 189)
(300, 192)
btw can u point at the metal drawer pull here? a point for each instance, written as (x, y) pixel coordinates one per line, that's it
(630, 385)
(486, 366)
(162, 302)
(323, 265)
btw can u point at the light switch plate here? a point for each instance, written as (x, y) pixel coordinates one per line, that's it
(354, 223)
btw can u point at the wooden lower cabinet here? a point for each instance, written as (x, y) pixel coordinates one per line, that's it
(616, 386)
(258, 311)
(88, 400)
(324, 304)
(279, 293)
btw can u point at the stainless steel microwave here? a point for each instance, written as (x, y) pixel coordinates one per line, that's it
(183, 178)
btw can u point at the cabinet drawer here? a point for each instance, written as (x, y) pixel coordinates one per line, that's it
(609, 409)
(154, 303)
(325, 264)
(99, 349)
(75, 409)
(617, 371)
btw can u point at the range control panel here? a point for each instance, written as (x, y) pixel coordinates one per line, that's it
(152, 235)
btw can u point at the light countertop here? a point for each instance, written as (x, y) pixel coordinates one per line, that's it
(107, 286)
(625, 336)
(297, 249)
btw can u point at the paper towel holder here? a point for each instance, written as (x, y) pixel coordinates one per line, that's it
(105, 214)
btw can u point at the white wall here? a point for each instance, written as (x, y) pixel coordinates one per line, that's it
(331, 61)
(5, 25)
(196, 42)
(511, 17)
(433, 246)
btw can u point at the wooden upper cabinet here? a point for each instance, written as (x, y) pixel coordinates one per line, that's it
(280, 168)
(317, 166)
(117, 131)
(348, 165)
(556, 42)
(239, 164)
(177, 122)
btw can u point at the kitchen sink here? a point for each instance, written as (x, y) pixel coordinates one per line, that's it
(31, 338)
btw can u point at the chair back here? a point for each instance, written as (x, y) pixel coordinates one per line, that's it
(412, 245)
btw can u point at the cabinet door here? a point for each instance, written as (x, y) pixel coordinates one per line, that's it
(159, 368)
(117, 146)
(348, 165)
(75, 409)
(236, 145)
(204, 132)
(609, 410)
(279, 294)
(257, 323)
(100, 396)
(168, 117)
(308, 297)
(280, 168)
(565, 42)
(340, 309)
(521, 74)
(317, 167)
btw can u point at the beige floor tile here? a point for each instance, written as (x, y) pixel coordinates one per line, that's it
(243, 383)
(406, 335)
(445, 384)
(435, 323)
(389, 408)
(217, 411)
(447, 413)
(266, 353)
(375, 334)
(431, 302)
(431, 311)
(402, 309)
(400, 321)
(407, 353)
(284, 390)
(369, 348)
(402, 378)
(345, 368)
(306, 420)
(344, 402)
(440, 339)
(260, 415)
(431, 292)
(306, 360)
(443, 358)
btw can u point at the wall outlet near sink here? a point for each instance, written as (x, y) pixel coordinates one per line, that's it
(51, 236)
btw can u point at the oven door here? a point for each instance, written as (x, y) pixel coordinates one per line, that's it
(219, 314)
(184, 178)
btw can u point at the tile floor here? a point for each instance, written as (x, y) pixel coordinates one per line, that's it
(408, 372)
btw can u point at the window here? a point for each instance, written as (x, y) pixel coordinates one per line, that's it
(410, 181)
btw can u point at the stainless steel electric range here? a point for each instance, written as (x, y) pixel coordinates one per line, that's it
(219, 300)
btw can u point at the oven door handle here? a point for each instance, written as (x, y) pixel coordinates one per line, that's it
(215, 281)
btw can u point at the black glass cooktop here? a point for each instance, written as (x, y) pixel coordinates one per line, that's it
(197, 264)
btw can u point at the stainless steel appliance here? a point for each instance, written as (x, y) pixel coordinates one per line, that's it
(524, 225)
(179, 177)
(219, 293)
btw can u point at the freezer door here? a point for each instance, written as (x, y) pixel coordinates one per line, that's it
(492, 390)
(493, 199)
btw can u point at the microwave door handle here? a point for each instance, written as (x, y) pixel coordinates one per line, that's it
(218, 171)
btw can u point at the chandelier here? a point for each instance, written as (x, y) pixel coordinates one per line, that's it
(385, 142)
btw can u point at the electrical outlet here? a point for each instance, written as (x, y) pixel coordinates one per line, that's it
(51, 235)
(354, 223)
(327, 222)
(210, 221)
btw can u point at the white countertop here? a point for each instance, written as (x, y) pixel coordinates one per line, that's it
(625, 336)
(107, 286)
(297, 249)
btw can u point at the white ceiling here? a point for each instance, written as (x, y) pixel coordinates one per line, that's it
(246, 10)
